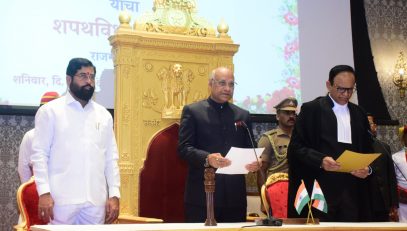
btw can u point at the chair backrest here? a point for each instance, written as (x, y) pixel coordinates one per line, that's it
(275, 194)
(27, 200)
(162, 178)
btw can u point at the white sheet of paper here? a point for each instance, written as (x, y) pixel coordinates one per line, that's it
(240, 157)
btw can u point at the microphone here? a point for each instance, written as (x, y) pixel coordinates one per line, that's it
(241, 123)
(387, 152)
(270, 220)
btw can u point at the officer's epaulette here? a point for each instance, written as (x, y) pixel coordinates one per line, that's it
(271, 132)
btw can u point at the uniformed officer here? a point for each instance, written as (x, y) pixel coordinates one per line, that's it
(276, 141)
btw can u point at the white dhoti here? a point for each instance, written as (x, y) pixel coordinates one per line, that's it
(79, 214)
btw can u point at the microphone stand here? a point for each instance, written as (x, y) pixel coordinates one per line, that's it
(270, 220)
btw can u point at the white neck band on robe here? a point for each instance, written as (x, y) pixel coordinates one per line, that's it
(343, 122)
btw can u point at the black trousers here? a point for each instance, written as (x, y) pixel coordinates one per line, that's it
(197, 214)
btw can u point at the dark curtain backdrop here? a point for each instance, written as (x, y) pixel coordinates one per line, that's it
(370, 95)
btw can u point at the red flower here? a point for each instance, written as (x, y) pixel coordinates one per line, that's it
(277, 97)
(294, 82)
(290, 48)
(290, 18)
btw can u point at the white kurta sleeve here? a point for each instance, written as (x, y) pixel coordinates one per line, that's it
(112, 172)
(25, 151)
(43, 134)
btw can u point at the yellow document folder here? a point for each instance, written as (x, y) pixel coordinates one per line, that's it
(350, 161)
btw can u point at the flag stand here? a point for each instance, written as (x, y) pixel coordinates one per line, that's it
(317, 199)
(310, 215)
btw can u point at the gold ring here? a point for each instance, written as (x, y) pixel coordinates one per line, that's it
(217, 159)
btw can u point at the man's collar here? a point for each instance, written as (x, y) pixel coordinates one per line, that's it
(70, 99)
(280, 132)
(335, 104)
(216, 104)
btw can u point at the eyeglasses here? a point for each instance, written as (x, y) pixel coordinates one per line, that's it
(342, 90)
(223, 83)
(84, 77)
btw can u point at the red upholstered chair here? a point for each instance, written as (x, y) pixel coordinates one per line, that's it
(275, 192)
(162, 178)
(27, 200)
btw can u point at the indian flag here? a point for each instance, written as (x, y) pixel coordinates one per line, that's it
(319, 198)
(302, 198)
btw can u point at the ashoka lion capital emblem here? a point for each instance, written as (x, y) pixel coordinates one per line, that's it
(175, 85)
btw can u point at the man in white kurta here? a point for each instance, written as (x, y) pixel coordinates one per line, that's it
(24, 154)
(25, 150)
(75, 154)
(400, 165)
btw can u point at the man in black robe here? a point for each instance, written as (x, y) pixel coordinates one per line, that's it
(325, 128)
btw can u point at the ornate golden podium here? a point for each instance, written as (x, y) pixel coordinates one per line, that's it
(161, 63)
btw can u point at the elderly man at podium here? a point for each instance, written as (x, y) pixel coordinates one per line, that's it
(207, 131)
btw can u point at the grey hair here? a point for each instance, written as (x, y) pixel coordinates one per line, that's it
(213, 73)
